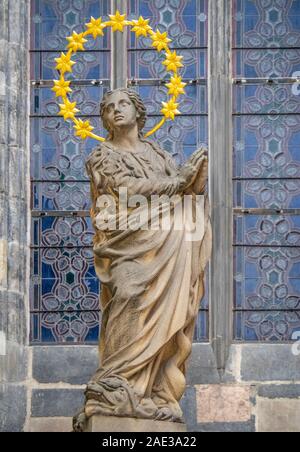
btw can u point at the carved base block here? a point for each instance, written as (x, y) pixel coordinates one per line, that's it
(111, 424)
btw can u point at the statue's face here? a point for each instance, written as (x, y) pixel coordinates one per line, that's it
(120, 111)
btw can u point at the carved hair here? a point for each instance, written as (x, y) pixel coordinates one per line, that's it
(137, 102)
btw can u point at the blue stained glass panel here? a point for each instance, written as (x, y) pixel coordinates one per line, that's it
(266, 23)
(202, 327)
(267, 194)
(89, 66)
(267, 278)
(273, 230)
(65, 327)
(186, 21)
(267, 146)
(182, 137)
(262, 99)
(275, 326)
(87, 98)
(205, 301)
(49, 35)
(55, 232)
(62, 255)
(193, 102)
(71, 292)
(64, 286)
(63, 196)
(52, 21)
(266, 63)
(147, 64)
(56, 153)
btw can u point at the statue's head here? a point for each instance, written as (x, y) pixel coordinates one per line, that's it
(122, 108)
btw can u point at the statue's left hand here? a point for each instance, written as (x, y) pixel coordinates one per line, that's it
(201, 157)
(198, 157)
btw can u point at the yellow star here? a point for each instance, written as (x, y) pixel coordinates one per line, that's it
(64, 63)
(68, 110)
(160, 40)
(95, 27)
(173, 61)
(83, 128)
(141, 26)
(76, 41)
(176, 86)
(118, 21)
(170, 109)
(61, 87)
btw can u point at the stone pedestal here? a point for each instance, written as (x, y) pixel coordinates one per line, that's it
(111, 424)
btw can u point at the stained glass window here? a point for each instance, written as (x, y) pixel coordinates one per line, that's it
(186, 22)
(266, 184)
(64, 287)
(64, 297)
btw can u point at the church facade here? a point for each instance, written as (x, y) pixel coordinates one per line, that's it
(241, 65)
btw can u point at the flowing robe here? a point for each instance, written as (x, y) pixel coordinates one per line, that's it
(152, 284)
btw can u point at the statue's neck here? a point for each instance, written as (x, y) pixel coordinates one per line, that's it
(127, 139)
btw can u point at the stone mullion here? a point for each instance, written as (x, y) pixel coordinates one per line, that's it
(3, 154)
(220, 177)
(119, 49)
(14, 208)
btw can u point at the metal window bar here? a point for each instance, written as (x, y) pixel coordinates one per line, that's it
(267, 81)
(257, 211)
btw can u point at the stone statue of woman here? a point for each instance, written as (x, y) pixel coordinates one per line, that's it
(152, 280)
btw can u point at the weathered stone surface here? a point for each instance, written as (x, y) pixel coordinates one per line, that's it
(56, 402)
(227, 427)
(118, 424)
(268, 362)
(14, 205)
(3, 345)
(233, 364)
(13, 365)
(12, 407)
(3, 262)
(275, 416)
(220, 174)
(51, 425)
(73, 365)
(11, 308)
(188, 406)
(202, 367)
(288, 391)
(223, 403)
(2, 83)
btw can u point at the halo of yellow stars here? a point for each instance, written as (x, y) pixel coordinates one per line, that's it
(95, 28)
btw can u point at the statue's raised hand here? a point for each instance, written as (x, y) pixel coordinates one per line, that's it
(195, 171)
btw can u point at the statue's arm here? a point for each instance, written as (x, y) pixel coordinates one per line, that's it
(193, 175)
(160, 185)
(105, 171)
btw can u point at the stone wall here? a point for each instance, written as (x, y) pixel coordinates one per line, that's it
(260, 391)
(14, 211)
